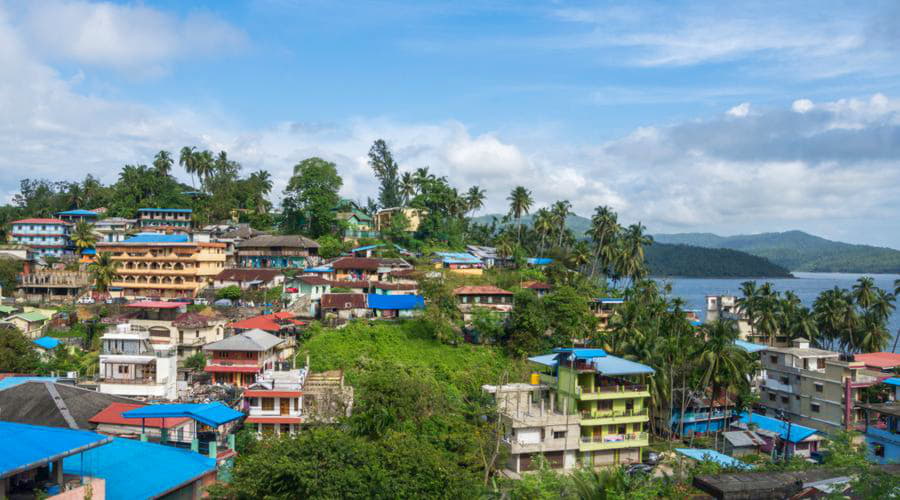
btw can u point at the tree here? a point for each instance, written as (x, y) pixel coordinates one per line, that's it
(520, 202)
(9, 272)
(330, 246)
(17, 354)
(475, 197)
(311, 196)
(231, 292)
(407, 187)
(83, 236)
(560, 211)
(162, 162)
(527, 326)
(603, 232)
(195, 362)
(721, 361)
(387, 172)
(103, 271)
(188, 160)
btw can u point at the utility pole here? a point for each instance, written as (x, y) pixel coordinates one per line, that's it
(782, 416)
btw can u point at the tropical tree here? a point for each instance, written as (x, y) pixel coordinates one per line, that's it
(520, 202)
(560, 212)
(721, 361)
(543, 226)
(83, 236)
(603, 232)
(205, 166)
(407, 187)
(188, 160)
(387, 172)
(162, 162)
(103, 271)
(475, 197)
(864, 291)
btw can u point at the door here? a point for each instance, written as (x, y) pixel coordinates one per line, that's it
(285, 405)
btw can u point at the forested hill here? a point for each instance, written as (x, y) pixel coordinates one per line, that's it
(697, 262)
(799, 251)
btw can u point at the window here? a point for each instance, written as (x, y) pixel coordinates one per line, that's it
(559, 434)
(878, 450)
(254, 401)
(785, 380)
(123, 368)
(814, 407)
(773, 360)
(285, 428)
(819, 387)
(604, 404)
(820, 363)
(621, 429)
(268, 404)
(785, 399)
(771, 396)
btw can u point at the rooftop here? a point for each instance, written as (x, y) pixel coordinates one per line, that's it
(265, 322)
(539, 261)
(39, 221)
(798, 432)
(29, 446)
(702, 455)
(750, 346)
(211, 414)
(255, 340)
(269, 241)
(248, 274)
(78, 212)
(30, 317)
(154, 304)
(481, 290)
(343, 301)
(169, 210)
(458, 258)
(889, 408)
(880, 360)
(45, 402)
(804, 352)
(363, 263)
(157, 238)
(112, 414)
(398, 302)
(604, 363)
(47, 342)
(770, 484)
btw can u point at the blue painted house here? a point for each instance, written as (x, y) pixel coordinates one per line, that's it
(882, 427)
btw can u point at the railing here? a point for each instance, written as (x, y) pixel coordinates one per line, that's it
(228, 362)
(699, 415)
(614, 438)
(132, 381)
(350, 233)
(616, 414)
(610, 389)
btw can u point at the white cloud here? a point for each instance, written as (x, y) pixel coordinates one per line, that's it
(802, 105)
(740, 111)
(134, 37)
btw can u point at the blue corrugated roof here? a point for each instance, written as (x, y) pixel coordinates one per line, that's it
(582, 353)
(458, 258)
(798, 432)
(47, 342)
(607, 365)
(28, 446)
(170, 210)
(78, 212)
(610, 300)
(158, 238)
(702, 455)
(395, 301)
(89, 251)
(212, 414)
(893, 381)
(319, 269)
(8, 382)
(750, 346)
(539, 261)
(367, 247)
(135, 469)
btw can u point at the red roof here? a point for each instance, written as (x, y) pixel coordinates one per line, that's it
(344, 301)
(355, 263)
(112, 414)
(882, 360)
(266, 322)
(480, 290)
(155, 304)
(536, 285)
(314, 280)
(237, 274)
(395, 286)
(39, 221)
(351, 284)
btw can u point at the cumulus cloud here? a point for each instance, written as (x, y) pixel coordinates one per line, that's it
(740, 111)
(802, 105)
(125, 37)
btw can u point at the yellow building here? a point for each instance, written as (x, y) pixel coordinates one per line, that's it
(413, 216)
(165, 266)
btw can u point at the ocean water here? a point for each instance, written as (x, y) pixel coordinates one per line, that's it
(807, 286)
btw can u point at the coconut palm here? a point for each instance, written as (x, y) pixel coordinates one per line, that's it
(83, 236)
(407, 187)
(188, 160)
(421, 177)
(163, 162)
(205, 165)
(561, 211)
(864, 291)
(103, 271)
(543, 226)
(520, 202)
(632, 256)
(475, 197)
(604, 229)
(721, 361)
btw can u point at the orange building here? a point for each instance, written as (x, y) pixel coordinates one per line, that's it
(165, 266)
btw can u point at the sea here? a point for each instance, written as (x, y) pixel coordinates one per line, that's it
(807, 286)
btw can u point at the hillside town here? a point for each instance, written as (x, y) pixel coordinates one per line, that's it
(169, 352)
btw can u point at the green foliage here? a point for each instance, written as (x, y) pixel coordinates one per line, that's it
(689, 261)
(388, 174)
(527, 326)
(569, 315)
(310, 198)
(9, 270)
(488, 325)
(231, 292)
(17, 354)
(330, 246)
(195, 362)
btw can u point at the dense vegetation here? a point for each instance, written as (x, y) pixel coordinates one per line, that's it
(799, 251)
(697, 262)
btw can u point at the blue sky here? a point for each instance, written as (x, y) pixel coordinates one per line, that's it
(686, 116)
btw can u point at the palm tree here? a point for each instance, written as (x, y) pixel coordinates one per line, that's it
(188, 160)
(864, 291)
(561, 210)
(633, 242)
(407, 187)
(421, 177)
(83, 236)
(162, 162)
(205, 165)
(261, 182)
(475, 197)
(543, 225)
(580, 256)
(520, 202)
(604, 229)
(721, 361)
(103, 271)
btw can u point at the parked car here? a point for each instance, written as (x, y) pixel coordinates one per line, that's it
(116, 300)
(637, 469)
(86, 300)
(182, 300)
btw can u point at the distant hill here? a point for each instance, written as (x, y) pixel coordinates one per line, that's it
(799, 251)
(684, 260)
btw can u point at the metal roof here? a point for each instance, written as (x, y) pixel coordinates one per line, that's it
(458, 258)
(170, 210)
(157, 238)
(798, 432)
(750, 346)
(135, 469)
(31, 316)
(7, 382)
(47, 342)
(211, 414)
(26, 446)
(270, 241)
(78, 212)
(154, 304)
(539, 261)
(893, 381)
(399, 302)
(714, 456)
(367, 247)
(743, 438)
(254, 340)
(606, 365)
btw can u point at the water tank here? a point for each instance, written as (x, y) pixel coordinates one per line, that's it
(535, 378)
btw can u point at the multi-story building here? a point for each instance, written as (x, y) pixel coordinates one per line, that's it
(487, 297)
(608, 394)
(817, 388)
(168, 323)
(132, 365)
(240, 359)
(53, 286)
(113, 229)
(728, 307)
(882, 426)
(175, 220)
(47, 237)
(160, 265)
(78, 215)
(603, 309)
(385, 217)
(359, 224)
(277, 252)
(274, 403)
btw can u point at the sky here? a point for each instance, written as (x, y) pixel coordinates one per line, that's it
(685, 116)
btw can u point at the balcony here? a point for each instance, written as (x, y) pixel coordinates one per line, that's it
(612, 392)
(614, 441)
(133, 381)
(614, 417)
(698, 416)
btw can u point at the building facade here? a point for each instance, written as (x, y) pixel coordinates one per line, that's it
(47, 237)
(240, 359)
(470, 298)
(274, 403)
(132, 365)
(277, 252)
(176, 220)
(165, 266)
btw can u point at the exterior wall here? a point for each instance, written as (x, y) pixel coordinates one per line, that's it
(94, 489)
(165, 270)
(154, 218)
(270, 261)
(884, 444)
(44, 239)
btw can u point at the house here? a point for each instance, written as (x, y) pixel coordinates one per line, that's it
(818, 388)
(274, 403)
(169, 323)
(33, 324)
(389, 288)
(196, 329)
(608, 393)
(395, 306)
(882, 427)
(603, 309)
(109, 421)
(343, 306)
(21, 253)
(782, 483)
(702, 415)
(164, 265)
(695, 455)
(53, 285)
(230, 234)
(781, 436)
(241, 358)
(486, 297)
(51, 402)
(488, 256)
(249, 279)
(459, 263)
(406, 276)
(132, 365)
(359, 225)
(538, 287)
(46, 237)
(728, 307)
(169, 220)
(32, 462)
(78, 215)
(283, 325)
(414, 216)
(743, 443)
(45, 346)
(277, 252)
(355, 269)
(310, 286)
(879, 362)
(113, 229)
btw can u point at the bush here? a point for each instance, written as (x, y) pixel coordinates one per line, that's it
(232, 292)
